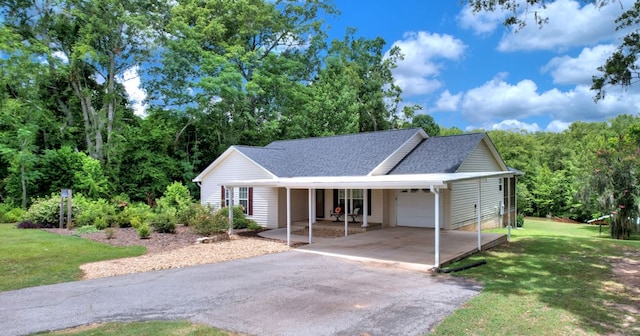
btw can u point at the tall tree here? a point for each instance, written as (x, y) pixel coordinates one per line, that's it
(91, 44)
(427, 123)
(620, 69)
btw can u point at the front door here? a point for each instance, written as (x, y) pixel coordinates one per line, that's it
(319, 203)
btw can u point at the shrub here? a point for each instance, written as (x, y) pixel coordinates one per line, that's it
(100, 223)
(99, 213)
(239, 220)
(186, 216)
(175, 196)
(45, 211)
(13, 215)
(253, 226)
(109, 233)
(141, 211)
(206, 221)
(86, 229)
(135, 222)
(519, 221)
(144, 231)
(28, 225)
(164, 222)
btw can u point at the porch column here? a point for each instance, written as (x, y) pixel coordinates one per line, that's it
(509, 201)
(230, 231)
(365, 206)
(436, 192)
(345, 210)
(288, 216)
(515, 196)
(479, 215)
(310, 215)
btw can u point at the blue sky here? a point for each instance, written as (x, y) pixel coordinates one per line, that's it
(469, 71)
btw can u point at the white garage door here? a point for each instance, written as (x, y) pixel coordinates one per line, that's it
(415, 207)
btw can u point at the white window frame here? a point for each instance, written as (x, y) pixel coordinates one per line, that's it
(243, 199)
(356, 199)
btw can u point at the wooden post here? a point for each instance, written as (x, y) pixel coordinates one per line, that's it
(69, 205)
(61, 207)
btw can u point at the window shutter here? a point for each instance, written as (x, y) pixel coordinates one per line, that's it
(368, 202)
(250, 202)
(223, 199)
(335, 199)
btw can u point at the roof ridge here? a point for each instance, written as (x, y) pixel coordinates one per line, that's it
(345, 135)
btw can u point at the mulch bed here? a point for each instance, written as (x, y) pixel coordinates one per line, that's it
(155, 243)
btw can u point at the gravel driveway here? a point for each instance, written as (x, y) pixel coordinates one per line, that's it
(289, 293)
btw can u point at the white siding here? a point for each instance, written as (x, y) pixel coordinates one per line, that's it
(398, 155)
(481, 159)
(464, 195)
(237, 167)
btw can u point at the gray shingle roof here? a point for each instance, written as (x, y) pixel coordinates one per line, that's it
(438, 155)
(342, 155)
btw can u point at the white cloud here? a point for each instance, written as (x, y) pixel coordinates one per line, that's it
(515, 125)
(481, 23)
(570, 25)
(557, 126)
(579, 70)
(131, 81)
(417, 73)
(500, 100)
(447, 102)
(61, 56)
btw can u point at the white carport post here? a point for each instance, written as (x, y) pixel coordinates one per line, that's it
(346, 216)
(288, 216)
(436, 192)
(515, 189)
(365, 206)
(310, 215)
(509, 200)
(230, 231)
(479, 214)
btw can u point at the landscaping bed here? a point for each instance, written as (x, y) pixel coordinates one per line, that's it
(173, 250)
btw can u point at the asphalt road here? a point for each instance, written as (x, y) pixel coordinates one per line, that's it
(290, 293)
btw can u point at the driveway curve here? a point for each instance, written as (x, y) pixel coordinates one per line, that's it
(289, 293)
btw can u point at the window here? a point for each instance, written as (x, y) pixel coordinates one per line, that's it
(356, 199)
(243, 198)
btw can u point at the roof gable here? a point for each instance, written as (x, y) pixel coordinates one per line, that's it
(439, 154)
(229, 152)
(342, 155)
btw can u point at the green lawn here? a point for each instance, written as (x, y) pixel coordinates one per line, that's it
(552, 279)
(34, 257)
(152, 328)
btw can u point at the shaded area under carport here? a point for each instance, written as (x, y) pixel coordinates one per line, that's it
(405, 247)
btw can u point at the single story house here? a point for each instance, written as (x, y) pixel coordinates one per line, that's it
(394, 178)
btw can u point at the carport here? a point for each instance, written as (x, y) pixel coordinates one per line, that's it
(405, 247)
(433, 182)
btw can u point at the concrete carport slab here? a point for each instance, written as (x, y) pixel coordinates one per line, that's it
(405, 246)
(289, 293)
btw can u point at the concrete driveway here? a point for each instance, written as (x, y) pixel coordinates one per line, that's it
(290, 293)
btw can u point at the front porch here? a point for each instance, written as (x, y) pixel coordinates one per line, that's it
(405, 247)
